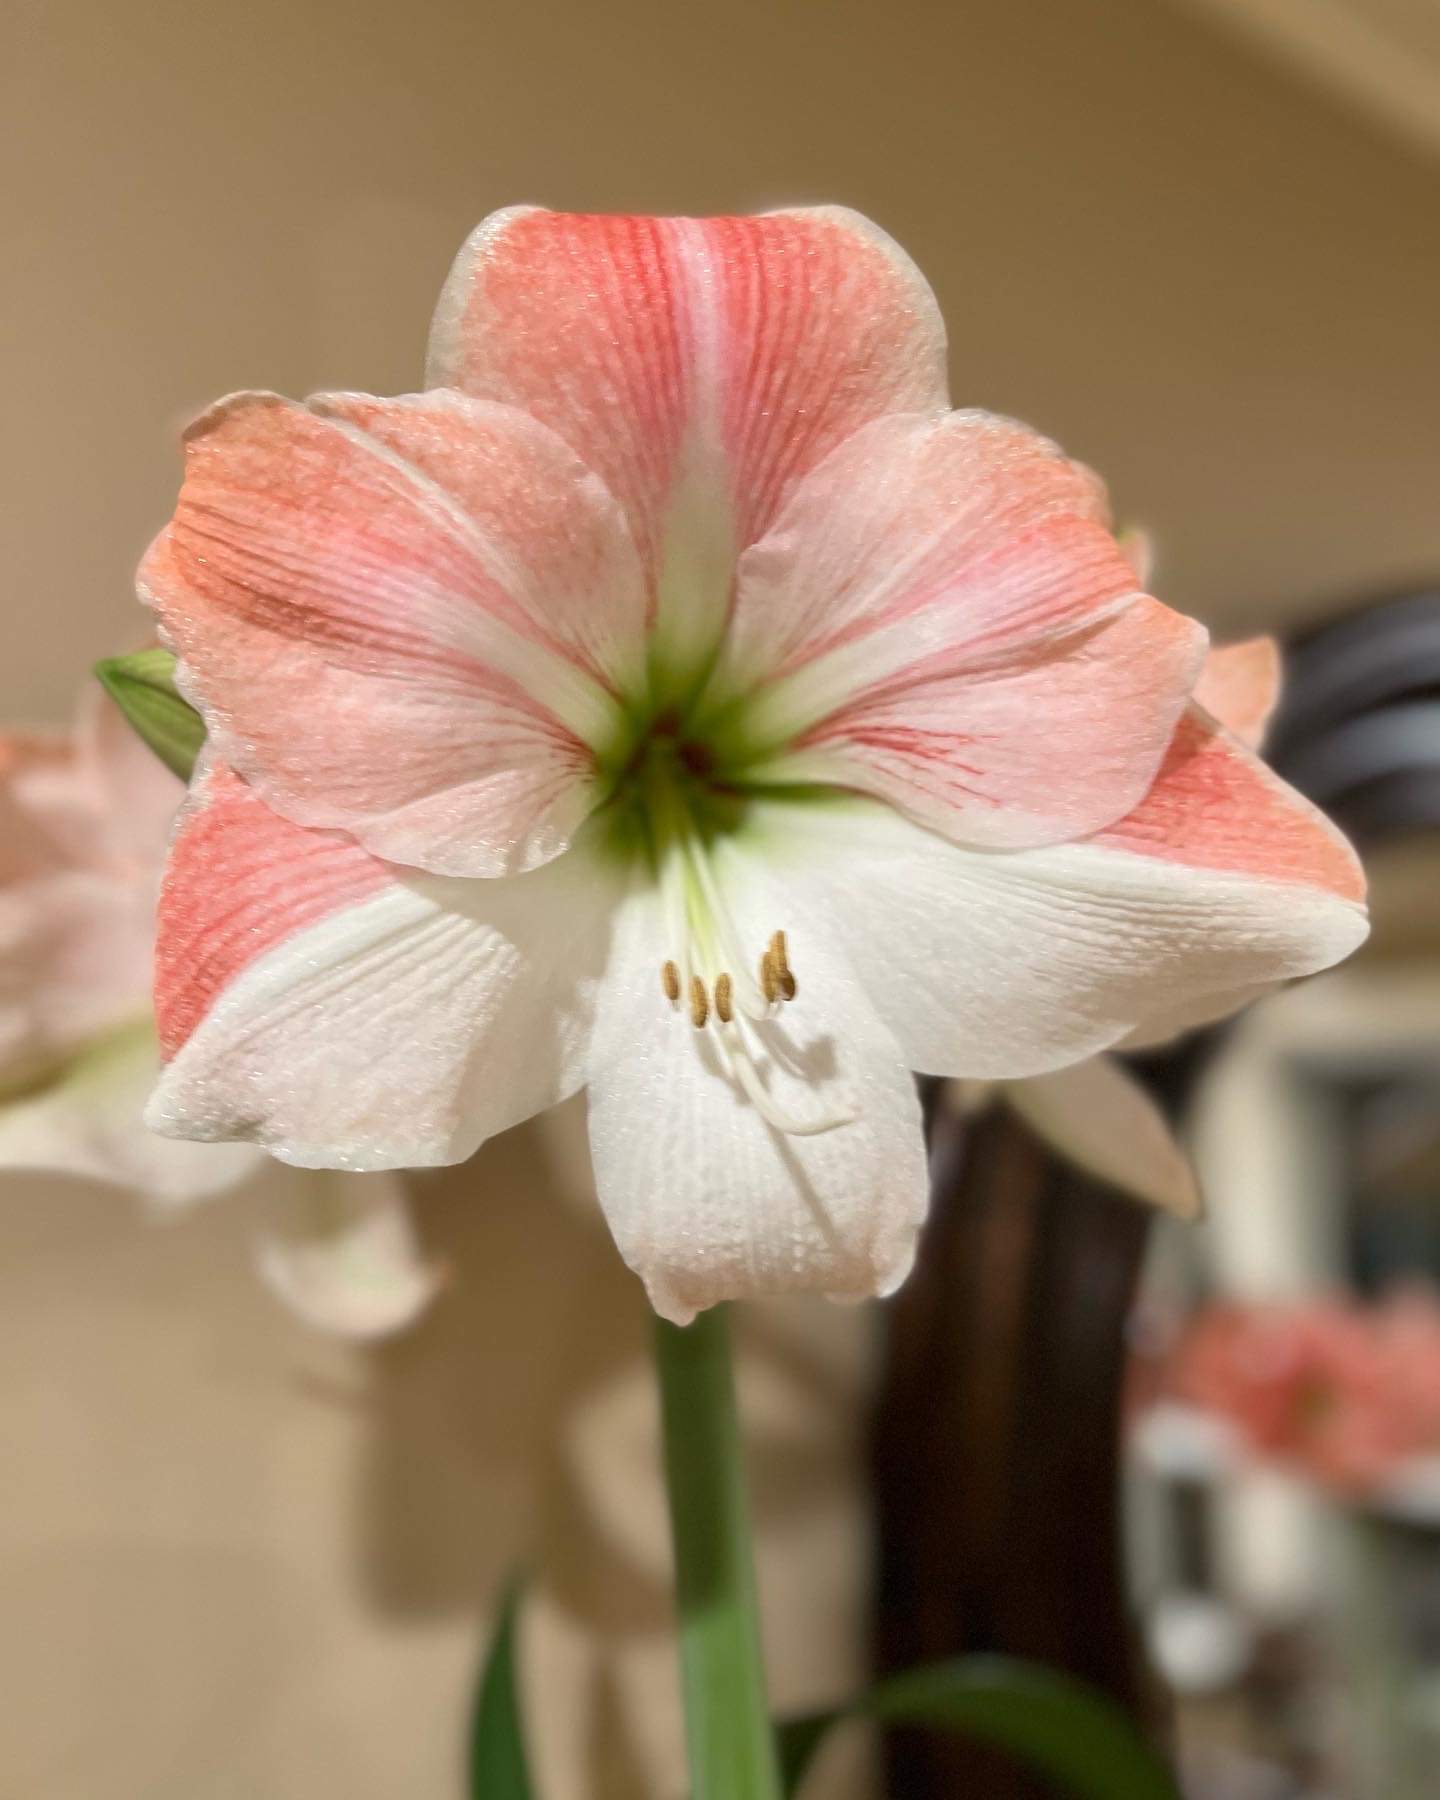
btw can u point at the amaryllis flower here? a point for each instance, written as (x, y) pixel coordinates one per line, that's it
(678, 700)
(84, 819)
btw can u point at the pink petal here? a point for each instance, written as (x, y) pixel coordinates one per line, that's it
(75, 908)
(1215, 805)
(954, 629)
(562, 569)
(74, 966)
(346, 1013)
(953, 538)
(733, 353)
(49, 807)
(137, 795)
(1042, 752)
(384, 630)
(1240, 686)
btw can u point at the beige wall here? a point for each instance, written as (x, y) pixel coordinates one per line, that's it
(1215, 286)
(238, 1565)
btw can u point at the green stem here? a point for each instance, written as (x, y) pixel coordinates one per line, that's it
(727, 1722)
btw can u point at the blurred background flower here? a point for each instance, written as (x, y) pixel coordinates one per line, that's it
(84, 822)
(1346, 1394)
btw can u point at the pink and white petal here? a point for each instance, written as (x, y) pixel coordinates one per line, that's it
(688, 357)
(943, 543)
(706, 1200)
(341, 1252)
(345, 1013)
(74, 966)
(1097, 1116)
(1049, 748)
(1240, 686)
(1216, 806)
(90, 1122)
(1002, 965)
(366, 653)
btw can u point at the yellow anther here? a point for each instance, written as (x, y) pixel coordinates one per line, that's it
(699, 1003)
(777, 978)
(670, 981)
(723, 1010)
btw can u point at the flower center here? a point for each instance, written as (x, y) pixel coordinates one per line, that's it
(677, 800)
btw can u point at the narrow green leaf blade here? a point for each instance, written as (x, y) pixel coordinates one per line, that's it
(1056, 1724)
(498, 1766)
(142, 685)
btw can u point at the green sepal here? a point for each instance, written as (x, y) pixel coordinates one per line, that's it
(498, 1767)
(1062, 1727)
(142, 685)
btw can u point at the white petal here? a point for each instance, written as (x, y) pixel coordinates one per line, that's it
(1164, 1027)
(341, 1252)
(1098, 1116)
(707, 1201)
(1001, 965)
(90, 1122)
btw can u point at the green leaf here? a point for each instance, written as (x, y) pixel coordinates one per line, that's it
(1056, 1724)
(142, 685)
(498, 1768)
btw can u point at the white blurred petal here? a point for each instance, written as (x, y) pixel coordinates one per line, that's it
(1096, 1115)
(90, 1122)
(341, 1252)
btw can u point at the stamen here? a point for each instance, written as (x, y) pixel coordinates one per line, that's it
(699, 1003)
(780, 964)
(670, 981)
(769, 979)
(723, 1010)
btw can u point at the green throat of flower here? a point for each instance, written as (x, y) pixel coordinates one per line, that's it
(678, 796)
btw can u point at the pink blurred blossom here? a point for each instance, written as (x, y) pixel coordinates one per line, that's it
(1345, 1393)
